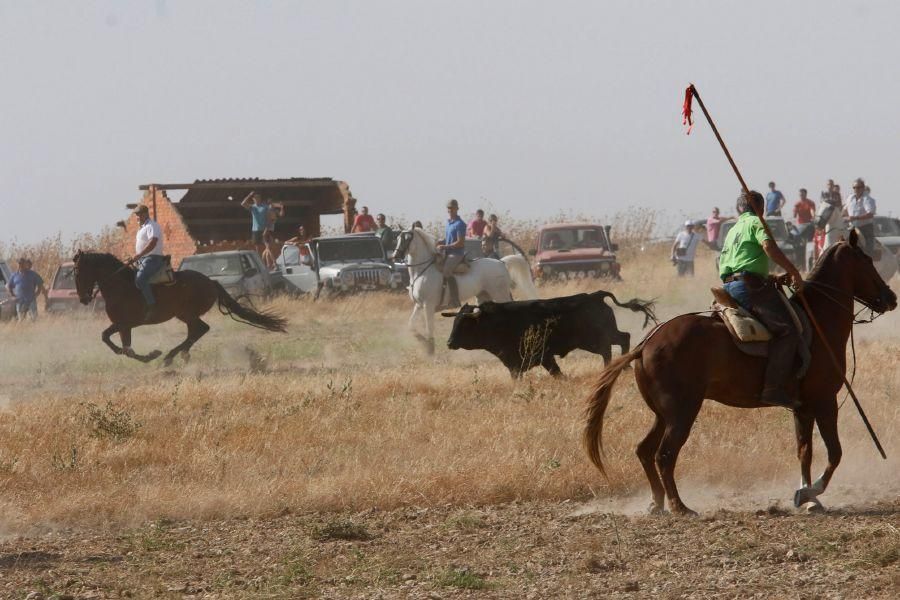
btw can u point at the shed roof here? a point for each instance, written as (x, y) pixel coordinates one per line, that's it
(211, 208)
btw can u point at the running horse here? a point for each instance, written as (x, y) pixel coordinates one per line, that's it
(190, 297)
(691, 358)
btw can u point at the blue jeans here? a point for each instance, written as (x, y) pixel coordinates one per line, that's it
(738, 290)
(24, 309)
(147, 268)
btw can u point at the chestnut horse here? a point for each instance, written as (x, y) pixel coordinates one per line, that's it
(191, 296)
(692, 357)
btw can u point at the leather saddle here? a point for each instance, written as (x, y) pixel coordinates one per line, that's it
(751, 336)
(165, 276)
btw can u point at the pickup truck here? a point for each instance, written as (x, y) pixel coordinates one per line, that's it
(241, 272)
(338, 264)
(7, 310)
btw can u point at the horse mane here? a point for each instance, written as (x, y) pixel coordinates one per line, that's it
(104, 260)
(816, 272)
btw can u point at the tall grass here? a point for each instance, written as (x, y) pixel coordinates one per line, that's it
(345, 412)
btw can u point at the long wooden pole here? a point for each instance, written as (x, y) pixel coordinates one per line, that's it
(812, 318)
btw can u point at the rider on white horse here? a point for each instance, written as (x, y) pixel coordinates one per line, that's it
(454, 249)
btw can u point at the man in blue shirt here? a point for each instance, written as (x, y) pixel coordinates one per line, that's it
(259, 219)
(774, 201)
(454, 249)
(25, 285)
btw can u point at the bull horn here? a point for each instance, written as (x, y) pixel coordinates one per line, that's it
(449, 314)
(476, 311)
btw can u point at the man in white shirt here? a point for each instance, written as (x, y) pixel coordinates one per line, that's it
(684, 249)
(148, 255)
(860, 211)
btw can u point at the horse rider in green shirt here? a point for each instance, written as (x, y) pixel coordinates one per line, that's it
(744, 269)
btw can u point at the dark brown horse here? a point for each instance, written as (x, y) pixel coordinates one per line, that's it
(191, 296)
(693, 357)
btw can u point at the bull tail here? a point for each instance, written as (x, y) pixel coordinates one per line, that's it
(597, 403)
(242, 314)
(636, 305)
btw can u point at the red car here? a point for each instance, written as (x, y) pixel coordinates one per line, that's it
(62, 295)
(575, 250)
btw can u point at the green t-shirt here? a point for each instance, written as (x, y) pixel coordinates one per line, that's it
(742, 250)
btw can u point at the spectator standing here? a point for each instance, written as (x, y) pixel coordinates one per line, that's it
(259, 219)
(774, 201)
(363, 222)
(491, 236)
(275, 211)
(384, 233)
(684, 249)
(713, 226)
(24, 286)
(860, 210)
(830, 219)
(804, 213)
(477, 225)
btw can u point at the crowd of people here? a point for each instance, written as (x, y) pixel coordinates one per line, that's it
(824, 224)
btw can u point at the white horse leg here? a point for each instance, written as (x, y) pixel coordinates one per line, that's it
(411, 324)
(429, 329)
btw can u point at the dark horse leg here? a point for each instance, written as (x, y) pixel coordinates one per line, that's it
(125, 335)
(803, 426)
(106, 336)
(646, 451)
(827, 423)
(682, 415)
(196, 329)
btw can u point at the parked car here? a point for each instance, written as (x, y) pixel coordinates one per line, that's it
(7, 310)
(785, 235)
(887, 231)
(62, 295)
(567, 250)
(241, 272)
(341, 264)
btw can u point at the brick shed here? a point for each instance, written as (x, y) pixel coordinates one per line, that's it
(205, 220)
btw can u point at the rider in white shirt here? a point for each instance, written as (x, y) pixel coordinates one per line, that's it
(148, 255)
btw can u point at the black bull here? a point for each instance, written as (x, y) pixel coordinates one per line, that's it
(534, 332)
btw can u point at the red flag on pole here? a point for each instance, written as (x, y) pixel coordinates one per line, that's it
(686, 110)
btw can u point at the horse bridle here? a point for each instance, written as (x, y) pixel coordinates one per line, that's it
(875, 313)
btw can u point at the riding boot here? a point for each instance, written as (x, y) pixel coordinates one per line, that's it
(782, 354)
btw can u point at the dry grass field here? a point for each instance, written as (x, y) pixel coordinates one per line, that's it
(338, 461)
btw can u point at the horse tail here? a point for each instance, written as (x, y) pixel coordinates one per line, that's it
(597, 403)
(243, 314)
(635, 305)
(520, 276)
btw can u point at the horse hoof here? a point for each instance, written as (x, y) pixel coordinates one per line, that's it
(812, 507)
(684, 511)
(656, 509)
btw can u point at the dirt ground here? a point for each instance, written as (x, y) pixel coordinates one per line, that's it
(515, 550)
(332, 462)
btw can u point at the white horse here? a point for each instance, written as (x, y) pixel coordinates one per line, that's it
(487, 279)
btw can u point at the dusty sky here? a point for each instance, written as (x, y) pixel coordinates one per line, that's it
(527, 107)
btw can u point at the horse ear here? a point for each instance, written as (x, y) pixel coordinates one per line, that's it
(854, 238)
